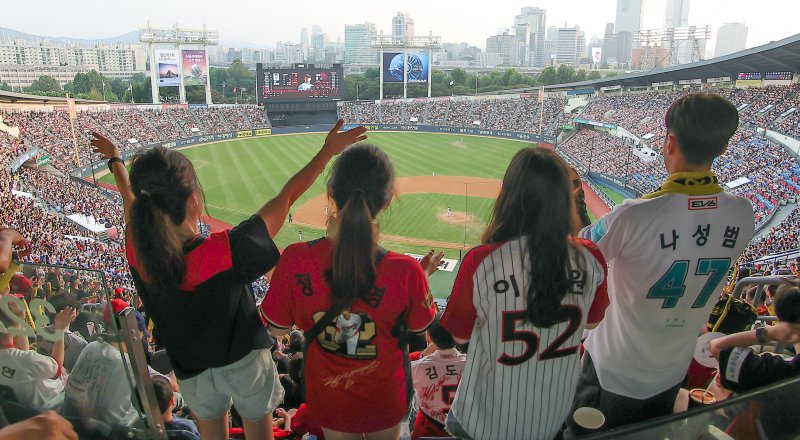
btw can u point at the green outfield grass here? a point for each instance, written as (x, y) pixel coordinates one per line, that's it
(416, 215)
(239, 176)
(616, 196)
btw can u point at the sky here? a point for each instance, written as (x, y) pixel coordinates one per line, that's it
(265, 22)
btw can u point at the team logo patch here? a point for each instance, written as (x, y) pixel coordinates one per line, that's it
(702, 203)
(428, 299)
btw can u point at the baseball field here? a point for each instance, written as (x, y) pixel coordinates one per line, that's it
(435, 172)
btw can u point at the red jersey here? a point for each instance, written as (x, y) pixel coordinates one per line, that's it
(355, 381)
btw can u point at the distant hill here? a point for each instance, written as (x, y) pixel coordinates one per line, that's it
(11, 34)
(128, 38)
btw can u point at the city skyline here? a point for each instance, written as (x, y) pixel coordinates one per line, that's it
(251, 27)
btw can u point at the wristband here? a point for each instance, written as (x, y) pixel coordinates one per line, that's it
(114, 160)
(761, 335)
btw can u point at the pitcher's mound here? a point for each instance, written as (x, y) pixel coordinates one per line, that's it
(455, 217)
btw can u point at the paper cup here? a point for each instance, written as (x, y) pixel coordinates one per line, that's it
(700, 396)
(588, 418)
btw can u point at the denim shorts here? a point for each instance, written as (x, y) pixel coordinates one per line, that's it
(250, 383)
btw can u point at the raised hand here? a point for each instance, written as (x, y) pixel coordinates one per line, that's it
(64, 318)
(337, 141)
(17, 240)
(45, 426)
(430, 262)
(104, 146)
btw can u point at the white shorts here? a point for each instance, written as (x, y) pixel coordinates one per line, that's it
(250, 383)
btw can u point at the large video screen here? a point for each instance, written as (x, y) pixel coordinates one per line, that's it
(417, 65)
(293, 85)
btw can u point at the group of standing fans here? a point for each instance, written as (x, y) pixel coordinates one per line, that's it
(633, 289)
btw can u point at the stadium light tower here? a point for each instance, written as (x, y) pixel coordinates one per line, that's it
(674, 38)
(178, 38)
(404, 44)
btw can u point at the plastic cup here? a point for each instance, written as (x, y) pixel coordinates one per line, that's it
(589, 418)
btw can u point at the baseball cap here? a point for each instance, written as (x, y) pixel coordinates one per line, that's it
(118, 292)
(20, 284)
(141, 323)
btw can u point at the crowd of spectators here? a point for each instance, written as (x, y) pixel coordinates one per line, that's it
(51, 130)
(780, 238)
(515, 113)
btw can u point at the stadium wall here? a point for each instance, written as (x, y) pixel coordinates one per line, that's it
(87, 170)
(616, 183)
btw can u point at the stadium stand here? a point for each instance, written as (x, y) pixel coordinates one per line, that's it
(500, 113)
(42, 200)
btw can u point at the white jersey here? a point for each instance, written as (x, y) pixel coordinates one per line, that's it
(519, 380)
(99, 386)
(30, 375)
(668, 259)
(436, 378)
(348, 327)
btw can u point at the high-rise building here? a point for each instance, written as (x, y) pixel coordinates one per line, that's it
(318, 42)
(731, 37)
(402, 25)
(571, 45)
(628, 22)
(358, 44)
(305, 42)
(552, 33)
(609, 44)
(677, 14)
(508, 46)
(111, 58)
(304, 39)
(535, 18)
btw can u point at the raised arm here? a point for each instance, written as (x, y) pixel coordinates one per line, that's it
(8, 239)
(274, 211)
(108, 150)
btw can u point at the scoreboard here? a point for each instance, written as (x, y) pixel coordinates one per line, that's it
(778, 76)
(299, 84)
(749, 76)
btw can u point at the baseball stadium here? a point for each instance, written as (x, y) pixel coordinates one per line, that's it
(605, 258)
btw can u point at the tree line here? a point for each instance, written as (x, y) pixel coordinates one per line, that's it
(237, 84)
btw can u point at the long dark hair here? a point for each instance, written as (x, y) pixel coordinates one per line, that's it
(535, 202)
(162, 181)
(361, 184)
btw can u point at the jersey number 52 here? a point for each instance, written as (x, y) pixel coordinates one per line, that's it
(531, 339)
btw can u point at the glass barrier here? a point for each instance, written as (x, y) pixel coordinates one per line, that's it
(67, 345)
(769, 413)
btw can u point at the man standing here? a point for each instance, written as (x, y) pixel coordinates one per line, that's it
(668, 254)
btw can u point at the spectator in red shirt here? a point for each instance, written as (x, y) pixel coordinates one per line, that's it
(196, 288)
(354, 373)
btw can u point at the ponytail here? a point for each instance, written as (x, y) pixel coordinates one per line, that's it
(162, 180)
(353, 271)
(157, 245)
(361, 184)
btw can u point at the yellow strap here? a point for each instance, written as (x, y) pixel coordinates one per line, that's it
(689, 183)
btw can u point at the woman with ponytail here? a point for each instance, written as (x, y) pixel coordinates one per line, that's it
(197, 288)
(522, 300)
(357, 299)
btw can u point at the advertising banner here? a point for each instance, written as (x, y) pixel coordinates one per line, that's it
(597, 55)
(167, 65)
(195, 68)
(394, 69)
